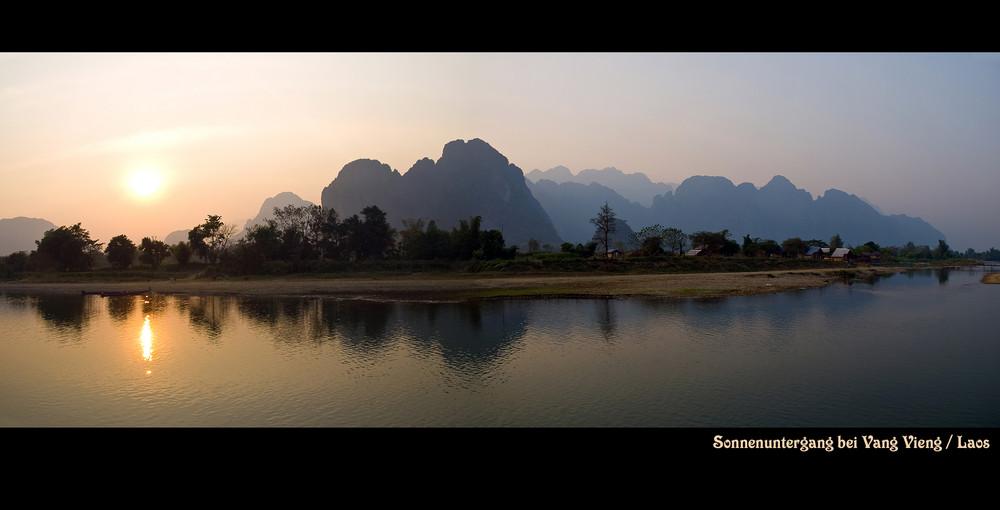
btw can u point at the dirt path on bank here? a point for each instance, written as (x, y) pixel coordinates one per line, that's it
(475, 286)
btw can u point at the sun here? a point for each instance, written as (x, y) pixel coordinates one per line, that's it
(145, 182)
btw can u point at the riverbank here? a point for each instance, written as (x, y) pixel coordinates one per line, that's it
(461, 287)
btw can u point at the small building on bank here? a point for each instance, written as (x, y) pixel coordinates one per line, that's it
(842, 254)
(816, 252)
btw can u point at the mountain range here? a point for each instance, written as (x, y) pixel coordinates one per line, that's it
(279, 201)
(20, 233)
(776, 211)
(469, 179)
(636, 187)
(474, 179)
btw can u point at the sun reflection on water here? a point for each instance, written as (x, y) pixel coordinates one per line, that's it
(147, 342)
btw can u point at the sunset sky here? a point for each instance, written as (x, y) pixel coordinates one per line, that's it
(914, 134)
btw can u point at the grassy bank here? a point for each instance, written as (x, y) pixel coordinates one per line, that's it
(537, 264)
(478, 286)
(525, 277)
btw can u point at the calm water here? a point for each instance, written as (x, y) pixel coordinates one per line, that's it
(909, 350)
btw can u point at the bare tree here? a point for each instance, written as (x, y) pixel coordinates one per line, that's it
(674, 239)
(211, 238)
(605, 223)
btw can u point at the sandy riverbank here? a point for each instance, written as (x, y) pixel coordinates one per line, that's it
(464, 287)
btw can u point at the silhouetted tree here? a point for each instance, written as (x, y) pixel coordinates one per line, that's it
(438, 242)
(604, 225)
(794, 246)
(379, 238)
(869, 247)
(674, 239)
(466, 239)
(713, 242)
(836, 242)
(466, 242)
(533, 245)
(300, 229)
(321, 229)
(942, 251)
(182, 252)
(120, 251)
(152, 251)
(15, 263)
(580, 249)
(729, 248)
(769, 247)
(371, 238)
(65, 249)
(751, 246)
(493, 246)
(413, 240)
(209, 239)
(247, 256)
(648, 240)
(266, 240)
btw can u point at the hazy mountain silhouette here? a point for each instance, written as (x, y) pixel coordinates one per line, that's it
(776, 211)
(571, 205)
(177, 236)
(779, 210)
(20, 233)
(636, 187)
(469, 179)
(281, 200)
(472, 178)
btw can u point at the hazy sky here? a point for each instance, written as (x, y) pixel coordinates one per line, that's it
(915, 134)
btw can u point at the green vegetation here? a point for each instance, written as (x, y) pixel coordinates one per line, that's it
(311, 241)
(210, 239)
(121, 252)
(152, 251)
(715, 243)
(467, 242)
(181, 252)
(650, 240)
(65, 249)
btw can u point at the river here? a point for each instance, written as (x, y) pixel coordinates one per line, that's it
(908, 350)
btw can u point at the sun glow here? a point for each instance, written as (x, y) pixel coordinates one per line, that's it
(146, 339)
(145, 182)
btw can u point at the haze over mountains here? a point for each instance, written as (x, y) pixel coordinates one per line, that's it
(474, 179)
(776, 211)
(279, 201)
(20, 234)
(469, 179)
(635, 187)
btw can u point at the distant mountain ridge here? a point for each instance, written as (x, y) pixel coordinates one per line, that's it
(20, 233)
(776, 211)
(474, 179)
(636, 187)
(571, 205)
(280, 201)
(469, 179)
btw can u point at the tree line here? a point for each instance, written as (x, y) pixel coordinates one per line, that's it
(295, 238)
(304, 238)
(658, 240)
